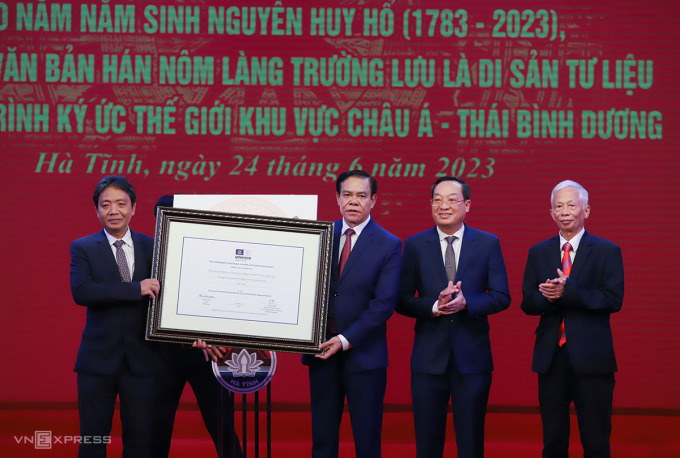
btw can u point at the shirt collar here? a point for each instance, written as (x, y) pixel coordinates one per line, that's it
(458, 234)
(127, 238)
(575, 240)
(357, 229)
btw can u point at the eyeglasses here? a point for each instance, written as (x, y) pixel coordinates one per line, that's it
(438, 201)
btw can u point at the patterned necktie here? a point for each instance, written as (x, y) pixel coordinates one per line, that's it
(566, 268)
(346, 249)
(121, 260)
(450, 259)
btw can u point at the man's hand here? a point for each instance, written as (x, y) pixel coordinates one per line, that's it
(553, 288)
(209, 351)
(448, 306)
(330, 347)
(150, 287)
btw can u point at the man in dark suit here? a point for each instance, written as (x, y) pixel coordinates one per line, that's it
(574, 351)
(452, 278)
(181, 364)
(110, 273)
(365, 273)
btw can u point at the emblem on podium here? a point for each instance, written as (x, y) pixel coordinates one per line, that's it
(245, 371)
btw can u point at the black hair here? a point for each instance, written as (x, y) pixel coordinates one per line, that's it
(164, 201)
(356, 173)
(114, 181)
(466, 187)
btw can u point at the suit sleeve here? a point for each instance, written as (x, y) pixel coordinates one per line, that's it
(381, 306)
(606, 294)
(89, 287)
(602, 292)
(407, 303)
(533, 302)
(494, 297)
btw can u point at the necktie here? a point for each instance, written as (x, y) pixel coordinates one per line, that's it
(450, 259)
(566, 268)
(121, 260)
(346, 249)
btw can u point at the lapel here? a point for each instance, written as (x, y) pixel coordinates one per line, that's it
(335, 260)
(140, 261)
(580, 260)
(363, 242)
(433, 255)
(109, 260)
(554, 255)
(466, 250)
(106, 255)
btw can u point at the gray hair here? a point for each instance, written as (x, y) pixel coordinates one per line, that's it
(582, 193)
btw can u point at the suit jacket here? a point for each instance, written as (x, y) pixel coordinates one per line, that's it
(592, 292)
(363, 297)
(465, 334)
(116, 311)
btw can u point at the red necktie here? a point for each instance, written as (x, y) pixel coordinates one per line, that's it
(566, 268)
(346, 249)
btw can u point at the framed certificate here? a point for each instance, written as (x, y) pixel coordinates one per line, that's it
(241, 280)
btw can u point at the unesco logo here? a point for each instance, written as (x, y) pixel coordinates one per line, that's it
(242, 254)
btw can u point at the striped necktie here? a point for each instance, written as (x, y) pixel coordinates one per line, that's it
(566, 268)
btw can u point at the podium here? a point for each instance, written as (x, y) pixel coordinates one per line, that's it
(246, 372)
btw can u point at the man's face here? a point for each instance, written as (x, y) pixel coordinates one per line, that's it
(115, 210)
(355, 200)
(448, 206)
(569, 212)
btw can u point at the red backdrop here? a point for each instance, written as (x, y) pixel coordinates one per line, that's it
(51, 164)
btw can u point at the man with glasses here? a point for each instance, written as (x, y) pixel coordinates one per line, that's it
(452, 278)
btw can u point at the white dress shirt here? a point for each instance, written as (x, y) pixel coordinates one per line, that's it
(574, 242)
(128, 249)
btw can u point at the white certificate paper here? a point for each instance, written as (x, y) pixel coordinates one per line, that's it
(237, 280)
(242, 280)
(209, 285)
